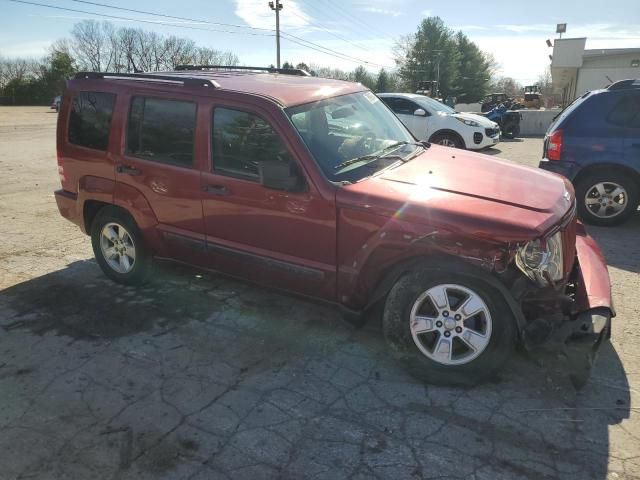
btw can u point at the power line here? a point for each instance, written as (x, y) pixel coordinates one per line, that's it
(118, 17)
(293, 38)
(331, 53)
(329, 32)
(335, 52)
(104, 5)
(363, 27)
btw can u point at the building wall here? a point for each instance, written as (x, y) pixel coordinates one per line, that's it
(594, 72)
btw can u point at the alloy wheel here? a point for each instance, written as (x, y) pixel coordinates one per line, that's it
(606, 199)
(450, 324)
(117, 247)
(447, 142)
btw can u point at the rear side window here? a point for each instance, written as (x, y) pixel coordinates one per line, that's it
(562, 116)
(90, 119)
(626, 113)
(162, 130)
(241, 141)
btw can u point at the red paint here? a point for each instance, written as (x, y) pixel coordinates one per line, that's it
(334, 242)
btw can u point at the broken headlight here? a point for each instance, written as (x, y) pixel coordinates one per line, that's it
(542, 260)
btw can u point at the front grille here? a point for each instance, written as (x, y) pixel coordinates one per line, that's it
(491, 131)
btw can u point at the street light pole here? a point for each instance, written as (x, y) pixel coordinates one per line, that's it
(277, 6)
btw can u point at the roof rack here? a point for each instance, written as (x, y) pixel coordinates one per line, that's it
(284, 71)
(622, 84)
(186, 81)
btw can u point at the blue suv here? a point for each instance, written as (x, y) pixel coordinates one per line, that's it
(595, 143)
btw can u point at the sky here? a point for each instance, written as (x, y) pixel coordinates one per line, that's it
(355, 31)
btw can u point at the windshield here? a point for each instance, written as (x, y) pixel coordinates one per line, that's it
(435, 105)
(352, 136)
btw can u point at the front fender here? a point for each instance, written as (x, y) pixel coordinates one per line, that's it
(371, 248)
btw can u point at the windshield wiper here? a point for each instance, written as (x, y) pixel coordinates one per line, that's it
(380, 155)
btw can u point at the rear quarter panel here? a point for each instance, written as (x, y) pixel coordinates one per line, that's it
(589, 139)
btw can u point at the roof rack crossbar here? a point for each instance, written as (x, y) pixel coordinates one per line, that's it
(186, 81)
(621, 84)
(284, 71)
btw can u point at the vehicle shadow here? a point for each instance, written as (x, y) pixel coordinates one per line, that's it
(313, 389)
(491, 151)
(620, 243)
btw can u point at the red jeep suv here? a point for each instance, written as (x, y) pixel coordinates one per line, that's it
(313, 186)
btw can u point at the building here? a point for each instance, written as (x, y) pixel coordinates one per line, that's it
(575, 70)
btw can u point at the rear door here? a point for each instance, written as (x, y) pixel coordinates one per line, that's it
(159, 160)
(626, 117)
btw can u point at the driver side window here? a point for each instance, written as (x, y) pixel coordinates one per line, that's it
(241, 141)
(401, 106)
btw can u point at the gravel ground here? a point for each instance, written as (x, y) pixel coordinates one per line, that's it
(196, 376)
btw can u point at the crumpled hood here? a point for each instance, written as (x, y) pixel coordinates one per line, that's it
(467, 191)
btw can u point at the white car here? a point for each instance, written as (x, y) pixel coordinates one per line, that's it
(430, 120)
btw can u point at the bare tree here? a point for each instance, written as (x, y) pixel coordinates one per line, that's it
(17, 69)
(91, 45)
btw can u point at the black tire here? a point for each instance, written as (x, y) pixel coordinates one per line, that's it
(512, 131)
(141, 265)
(607, 177)
(446, 137)
(397, 329)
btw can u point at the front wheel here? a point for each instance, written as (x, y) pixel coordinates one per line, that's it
(448, 140)
(606, 198)
(448, 328)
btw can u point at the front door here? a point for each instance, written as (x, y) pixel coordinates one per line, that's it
(159, 162)
(284, 239)
(405, 110)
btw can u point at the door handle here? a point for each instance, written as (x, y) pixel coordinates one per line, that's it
(127, 170)
(216, 189)
(635, 145)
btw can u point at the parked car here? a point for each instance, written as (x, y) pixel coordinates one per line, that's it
(595, 143)
(431, 120)
(55, 103)
(313, 186)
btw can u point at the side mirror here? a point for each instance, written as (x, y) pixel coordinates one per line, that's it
(420, 112)
(280, 175)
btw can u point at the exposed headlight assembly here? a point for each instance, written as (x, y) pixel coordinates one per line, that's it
(466, 121)
(542, 260)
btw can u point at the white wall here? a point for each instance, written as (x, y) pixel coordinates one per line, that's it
(536, 122)
(567, 52)
(594, 72)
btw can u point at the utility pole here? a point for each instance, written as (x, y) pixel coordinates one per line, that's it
(277, 6)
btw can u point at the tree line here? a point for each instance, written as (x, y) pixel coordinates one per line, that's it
(434, 52)
(99, 47)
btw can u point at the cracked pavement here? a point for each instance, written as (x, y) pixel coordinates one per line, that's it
(196, 376)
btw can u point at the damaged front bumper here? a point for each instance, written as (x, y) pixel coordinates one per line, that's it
(581, 320)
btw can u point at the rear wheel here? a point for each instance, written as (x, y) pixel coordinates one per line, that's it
(448, 140)
(118, 247)
(448, 328)
(606, 198)
(512, 130)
